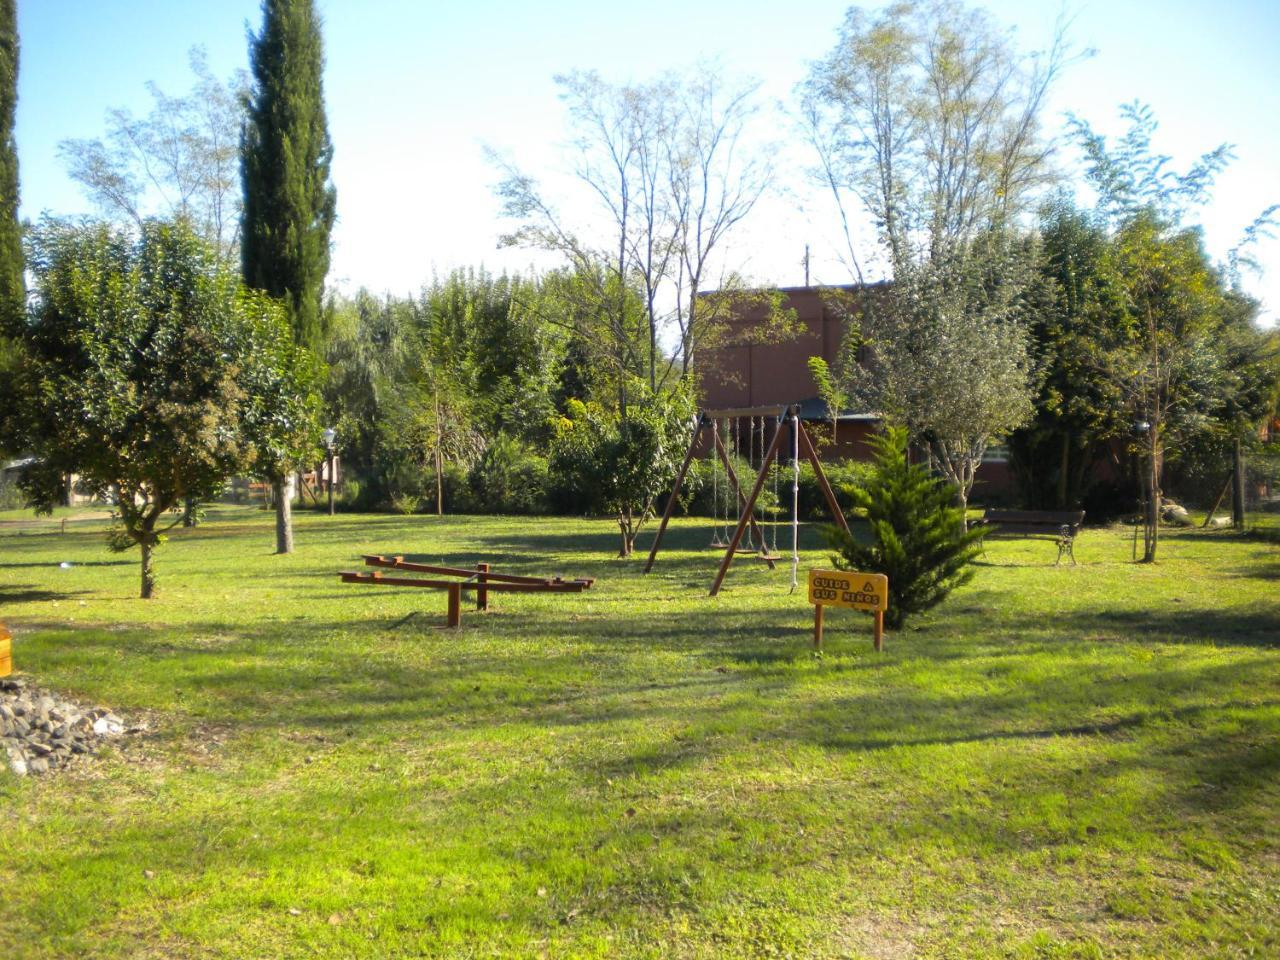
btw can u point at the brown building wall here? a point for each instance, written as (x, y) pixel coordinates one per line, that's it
(754, 366)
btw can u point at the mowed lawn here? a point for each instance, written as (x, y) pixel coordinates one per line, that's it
(1071, 762)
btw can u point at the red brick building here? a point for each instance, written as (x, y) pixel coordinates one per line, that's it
(753, 366)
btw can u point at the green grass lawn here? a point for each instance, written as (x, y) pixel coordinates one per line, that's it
(1071, 762)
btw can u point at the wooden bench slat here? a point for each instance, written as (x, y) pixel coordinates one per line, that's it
(553, 586)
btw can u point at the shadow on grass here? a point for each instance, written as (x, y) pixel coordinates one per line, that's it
(29, 593)
(50, 565)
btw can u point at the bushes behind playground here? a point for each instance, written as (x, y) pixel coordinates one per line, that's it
(510, 478)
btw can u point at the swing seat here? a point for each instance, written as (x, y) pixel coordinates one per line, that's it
(769, 557)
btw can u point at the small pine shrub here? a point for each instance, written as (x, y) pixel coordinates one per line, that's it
(918, 535)
(405, 503)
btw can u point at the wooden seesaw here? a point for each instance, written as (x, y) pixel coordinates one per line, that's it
(482, 580)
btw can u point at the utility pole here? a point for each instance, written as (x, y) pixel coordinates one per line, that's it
(806, 265)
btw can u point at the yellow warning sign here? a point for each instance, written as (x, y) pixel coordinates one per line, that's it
(844, 588)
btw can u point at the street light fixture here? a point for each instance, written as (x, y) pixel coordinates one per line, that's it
(330, 435)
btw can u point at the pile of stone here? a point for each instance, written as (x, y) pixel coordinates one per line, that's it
(40, 732)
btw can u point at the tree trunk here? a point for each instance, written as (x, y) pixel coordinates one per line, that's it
(148, 569)
(439, 463)
(628, 535)
(1152, 520)
(190, 507)
(1237, 486)
(282, 490)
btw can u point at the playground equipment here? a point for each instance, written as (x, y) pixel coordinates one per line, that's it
(709, 421)
(482, 580)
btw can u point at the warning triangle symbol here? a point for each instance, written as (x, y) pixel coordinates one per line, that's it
(868, 587)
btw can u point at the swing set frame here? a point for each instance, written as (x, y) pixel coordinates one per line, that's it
(800, 443)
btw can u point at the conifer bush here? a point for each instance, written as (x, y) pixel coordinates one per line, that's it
(918, 534)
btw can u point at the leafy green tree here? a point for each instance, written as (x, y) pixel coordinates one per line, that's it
(622, 465)
(1174, 370)
(493, 333)
(918, 535)
(1076, 315)
(289, 203)
(929, 116)
(141, 368)
(370, 340)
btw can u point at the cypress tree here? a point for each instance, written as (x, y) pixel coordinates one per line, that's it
(285, 157)
(12, 288)
(288, 200)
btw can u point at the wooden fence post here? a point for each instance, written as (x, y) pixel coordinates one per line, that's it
(455, 605)
(482, 595)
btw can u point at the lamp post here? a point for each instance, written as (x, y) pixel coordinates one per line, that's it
(1142, 430)
(330, 435)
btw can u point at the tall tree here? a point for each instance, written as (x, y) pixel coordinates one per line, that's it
(929, 116)
(12, 289)
(1175, 371)
(1077, 318)
(672, 171)
(289, 202)
(180, 160)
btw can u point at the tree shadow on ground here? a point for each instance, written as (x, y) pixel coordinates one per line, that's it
(30, 593)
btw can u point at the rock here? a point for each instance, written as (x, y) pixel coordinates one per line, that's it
(105, 727)
(41, 732)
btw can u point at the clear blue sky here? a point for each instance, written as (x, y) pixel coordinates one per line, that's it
(415, 89)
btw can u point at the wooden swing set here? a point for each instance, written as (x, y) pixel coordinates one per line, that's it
(748, 537)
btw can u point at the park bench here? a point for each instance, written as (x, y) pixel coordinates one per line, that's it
(1060, 526)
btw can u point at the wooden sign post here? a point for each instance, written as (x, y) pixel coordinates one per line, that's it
(6, 651)
(844, 588)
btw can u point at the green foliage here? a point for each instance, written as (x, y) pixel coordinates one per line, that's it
(145, 363)
(282, 419)
(1077, 317)
(12, 286)
(918, 535)
(620, 465)
(285, 157)
(509, 478)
